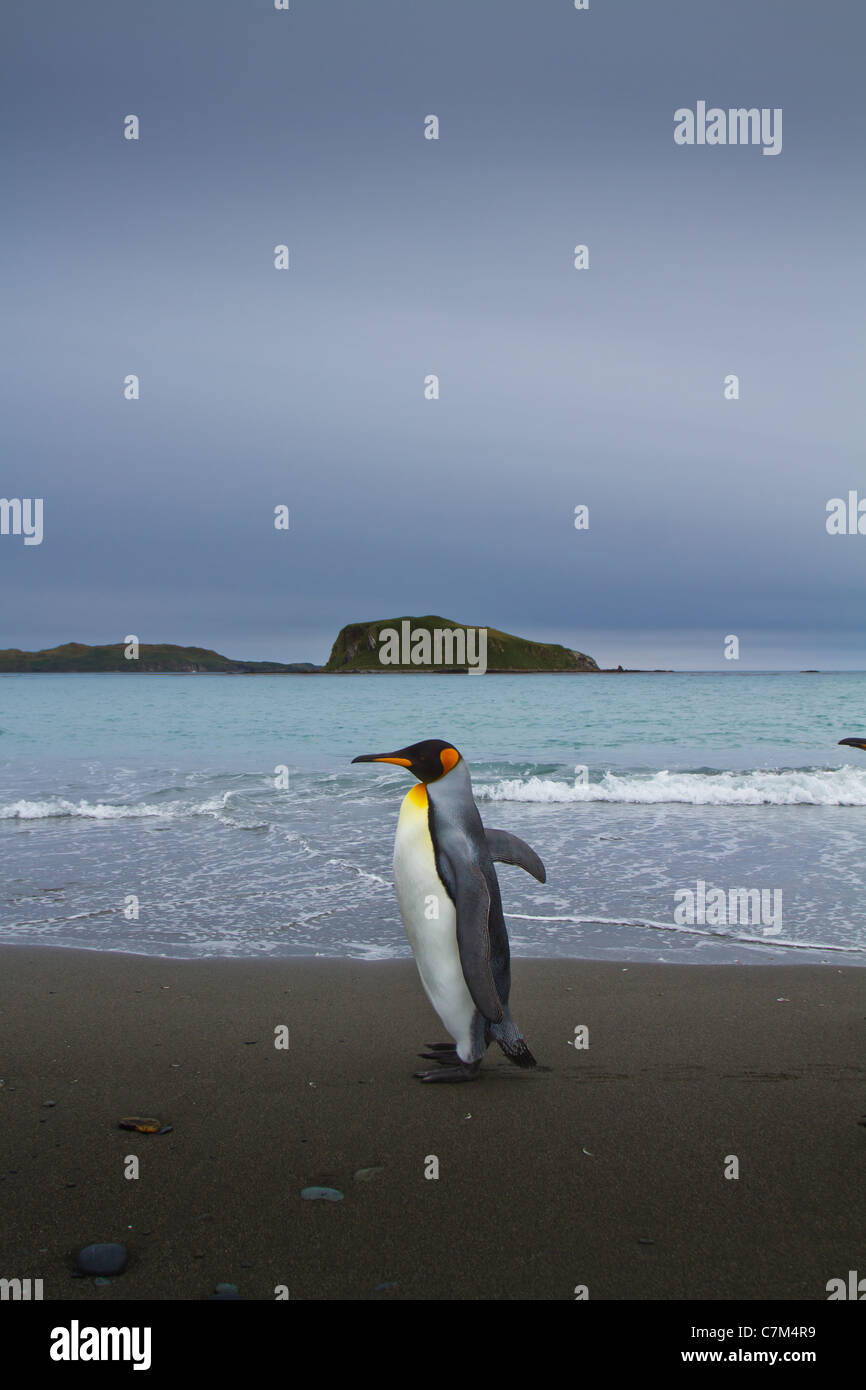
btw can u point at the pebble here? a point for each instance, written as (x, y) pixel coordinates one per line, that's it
(100, 1283)
(48, 1103)
(226, 1288)
(101, 1259)
(367, 1174)
(322, 1194)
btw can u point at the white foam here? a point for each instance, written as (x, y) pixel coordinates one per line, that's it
(719, 933)
(845, 786)
(100, 810)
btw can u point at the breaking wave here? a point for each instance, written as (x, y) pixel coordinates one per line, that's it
(845, 786)
(101, 810)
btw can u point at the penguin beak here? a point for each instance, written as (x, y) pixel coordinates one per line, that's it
(382, 758)
(853, 742)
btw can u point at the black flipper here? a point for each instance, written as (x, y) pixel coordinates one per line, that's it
(513, 1044)
(508, 849)
(472, 901)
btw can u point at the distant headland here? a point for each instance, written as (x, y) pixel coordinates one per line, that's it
(77, 657)
(409, 645)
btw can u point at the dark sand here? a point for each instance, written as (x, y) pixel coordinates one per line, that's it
(686, 1064)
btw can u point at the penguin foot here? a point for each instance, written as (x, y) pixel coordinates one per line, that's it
(444, 1053)
(462, 1072)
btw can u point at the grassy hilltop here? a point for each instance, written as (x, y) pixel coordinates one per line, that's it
(357, 649)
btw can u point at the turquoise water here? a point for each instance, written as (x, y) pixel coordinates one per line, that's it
(162, 789)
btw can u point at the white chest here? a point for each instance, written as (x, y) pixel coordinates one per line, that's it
(429, 917)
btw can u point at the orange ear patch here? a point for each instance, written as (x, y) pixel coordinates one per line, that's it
(448, 757)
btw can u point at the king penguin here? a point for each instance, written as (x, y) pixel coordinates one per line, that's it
(449, 900)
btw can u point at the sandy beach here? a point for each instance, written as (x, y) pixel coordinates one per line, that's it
(604, 1167)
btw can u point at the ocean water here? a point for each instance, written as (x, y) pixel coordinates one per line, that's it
(143, 813)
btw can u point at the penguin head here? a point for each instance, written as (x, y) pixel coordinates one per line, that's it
(428, 761)
(853, 742)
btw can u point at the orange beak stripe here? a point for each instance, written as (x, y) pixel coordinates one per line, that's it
(401, 762)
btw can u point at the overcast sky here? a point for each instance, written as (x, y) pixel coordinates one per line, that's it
(453, 257)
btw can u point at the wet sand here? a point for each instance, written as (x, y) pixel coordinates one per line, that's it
(603, 1167)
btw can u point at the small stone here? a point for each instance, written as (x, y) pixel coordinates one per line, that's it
(47, 1104)
(102, 1259)
(100, 1283)
(166, 1129)
(322, 1194)
(226, 1288)
(367, 1174)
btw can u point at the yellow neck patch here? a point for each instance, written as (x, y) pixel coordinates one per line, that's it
(418, 796)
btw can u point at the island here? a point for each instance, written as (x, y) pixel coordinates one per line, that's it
(159, 657)
(429, 645)
(434, 644)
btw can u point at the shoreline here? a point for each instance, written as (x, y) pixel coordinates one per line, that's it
(800, 958)
(603, 1166)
